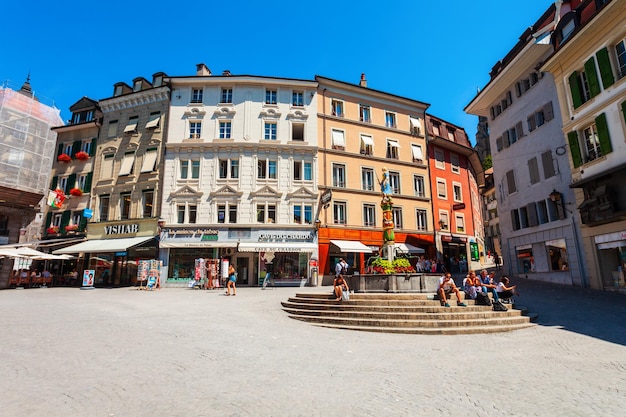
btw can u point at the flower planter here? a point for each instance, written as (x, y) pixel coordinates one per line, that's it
(64, 158)
(71, 228)
(52, 230)
(82, 156)
(76, 192)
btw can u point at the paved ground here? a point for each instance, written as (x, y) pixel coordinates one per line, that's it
(178, 352)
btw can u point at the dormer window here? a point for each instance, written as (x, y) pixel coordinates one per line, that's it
(137, 85)
(118, 90)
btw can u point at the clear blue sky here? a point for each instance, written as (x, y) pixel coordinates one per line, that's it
(437, 51)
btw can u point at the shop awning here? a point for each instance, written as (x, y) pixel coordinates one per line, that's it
(172, 243)
(277, 247)
(351, 246)
(104, 245)
(406, 248)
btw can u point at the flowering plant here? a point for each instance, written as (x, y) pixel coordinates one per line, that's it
(64, 158)
(82, 155)
(71, 227)
(76, 192)
(398, 266)
(52, 230)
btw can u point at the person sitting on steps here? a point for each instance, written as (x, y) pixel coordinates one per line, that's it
(504, 291)
(340, 286)
(446, 287)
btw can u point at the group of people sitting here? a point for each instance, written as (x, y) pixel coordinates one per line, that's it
(476, 287)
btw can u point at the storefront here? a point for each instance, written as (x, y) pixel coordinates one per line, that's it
(611, 254)
(454, 249)
(114, 249)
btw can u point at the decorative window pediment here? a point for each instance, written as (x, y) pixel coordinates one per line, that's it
(186, 192)
(270, 114)
(297, 115)
(224, 113)
(303, 193)
(195, 113)
(225, 192)
(266, 191)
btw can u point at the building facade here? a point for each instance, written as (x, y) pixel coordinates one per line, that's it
(540, 237)
(361, 132)
(589, 66)
(240, 177)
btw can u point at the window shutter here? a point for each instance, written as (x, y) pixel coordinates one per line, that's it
(65, 219)
(592, 77)
(499, 144)
(574, 86)
(548, 164)
(88, 182)
(92, 149)
(572, 138)
(548, 112)
(76, 147)
(53, 184)
(603, 134)
(606, 73)
(71, 182)
(505, 139)
(60, 149)
(83, 223)
(519, 130)
(510, 179)
(533, 170)
(532, 123)
(493, 113)
(624, 110)
(48, 220)
(531, 212)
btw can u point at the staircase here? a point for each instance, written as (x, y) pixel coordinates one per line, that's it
(404, 313)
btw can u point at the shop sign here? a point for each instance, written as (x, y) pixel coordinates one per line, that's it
(286, 237)
(208, 238)
(458, 206)
(121, 229)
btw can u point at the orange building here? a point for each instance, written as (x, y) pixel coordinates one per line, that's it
(455, 174)
(362, 131)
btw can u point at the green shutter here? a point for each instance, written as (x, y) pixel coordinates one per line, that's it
(577, 159)
(606, 72)
(624, 110)
(65, 219)
(88, 183)
(71, 183)
(48, 220)
(83, 223)
(76, 147)
(92, 149)
(603, 134)
(54, 182)
(592, 77)
(574, 86)
(59, 149)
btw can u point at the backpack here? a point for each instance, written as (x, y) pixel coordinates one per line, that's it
(483, 299)
(344, 269)
(498, 306)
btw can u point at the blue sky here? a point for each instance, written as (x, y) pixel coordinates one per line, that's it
(439, 52)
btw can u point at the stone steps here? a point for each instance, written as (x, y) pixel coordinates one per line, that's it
(403, 313)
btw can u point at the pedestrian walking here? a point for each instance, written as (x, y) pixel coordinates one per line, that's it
(232, 279)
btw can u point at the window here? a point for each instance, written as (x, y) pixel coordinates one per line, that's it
(442, 191)
(265, 213)
(367, 179)
(365, 113)
(154, 120)
(196, 95)
(85, 146)
(62, 184)
(460, 223)
(585, 84)
(444, 221)
(270, 96)
(106, 169)
(421, 219)
(339, 213)
(440, 162)
(390, 119)
(392, 149)
(297, 99)
(302, 171)
(339, 141)
(297, 131)
(180, 213)
(148, 202)
(454, 163)
(597, 142)
(308, 171)
(127, 163)
(184, 169)
(436, 128)
(77, 216)
(266, 169)
(620, 53)
(510, 180)
(228, 168)
(227, 213)
(297, 170)
(369, 215)
(195, 130)
(104, 208)
(418, 186)
(396, 212)
(149, 160)
(339, 175)
(394, 182)
(458, 194)
(303, 213)
(557, 254)
(227, 96)
(336, 107)
(542, 212)
(416, 126)
(418, 155)
(548, 164)
(81, 182)
(137, 85)
(533, 170)
(112, 130)
(67, 148)
(131, 127)
(125, 206)
(367, 145)
(225, 129)
(451, 133)
(193, 212)
(270, 130)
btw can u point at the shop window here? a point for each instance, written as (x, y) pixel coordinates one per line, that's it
(557, 254)
(525, 259)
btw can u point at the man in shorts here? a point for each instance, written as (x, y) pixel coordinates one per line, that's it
(446, 287)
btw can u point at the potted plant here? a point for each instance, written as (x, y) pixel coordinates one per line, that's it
(76, 192)
(52, 230)
(71, 227)
(64, 158)
(82, 155)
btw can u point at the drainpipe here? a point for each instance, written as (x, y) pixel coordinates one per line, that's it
(432, 204)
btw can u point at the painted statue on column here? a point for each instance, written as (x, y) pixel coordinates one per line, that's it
(387, 205)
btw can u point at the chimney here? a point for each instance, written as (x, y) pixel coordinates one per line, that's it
(202, 69)
(226, 73)
(363, 82)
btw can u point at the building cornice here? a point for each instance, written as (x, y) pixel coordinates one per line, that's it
(136, 99)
